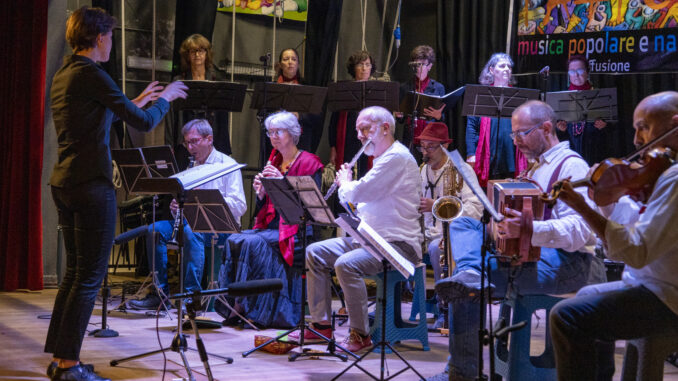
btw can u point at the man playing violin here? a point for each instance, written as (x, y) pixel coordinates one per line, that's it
(645, 301)
(567, 259)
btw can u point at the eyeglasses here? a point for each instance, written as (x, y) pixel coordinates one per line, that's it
(523, 134)
(365, 65)
(428, 148)
(193, 142)
(418, 64)
(278, 133)
(576, 72)
(195, 52)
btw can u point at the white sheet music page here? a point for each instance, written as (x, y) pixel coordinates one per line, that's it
(201, 174)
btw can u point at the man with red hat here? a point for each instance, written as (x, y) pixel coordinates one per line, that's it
(439, 177)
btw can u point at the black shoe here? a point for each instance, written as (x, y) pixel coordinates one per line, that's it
(77, 373)
(52, 367)
(150, 302)
(463, 286)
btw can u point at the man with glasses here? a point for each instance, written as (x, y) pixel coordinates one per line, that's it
(198, 138)
(567, 243)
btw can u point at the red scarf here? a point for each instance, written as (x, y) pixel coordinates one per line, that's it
(585, 86)
(306, 164)
(482, 166)
(282, 79)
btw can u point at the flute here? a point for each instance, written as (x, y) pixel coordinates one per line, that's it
(334, 186)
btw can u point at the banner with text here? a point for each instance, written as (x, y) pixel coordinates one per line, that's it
(616, 36)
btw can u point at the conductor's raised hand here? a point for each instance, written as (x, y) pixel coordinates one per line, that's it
(150, 94)
(173, 91)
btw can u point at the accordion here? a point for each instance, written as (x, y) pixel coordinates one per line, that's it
(522, 196)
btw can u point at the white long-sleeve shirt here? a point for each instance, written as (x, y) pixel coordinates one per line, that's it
(472, 206)
(566, 229)
(387, 197)
(230, 186)
(649, 247)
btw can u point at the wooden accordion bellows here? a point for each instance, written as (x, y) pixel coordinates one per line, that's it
(522, 196)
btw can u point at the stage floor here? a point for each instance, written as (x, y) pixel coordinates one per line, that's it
(23, 326)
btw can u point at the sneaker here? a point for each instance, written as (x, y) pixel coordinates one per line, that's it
(77, 373)
(150, 302)
(53, 365)
(356, 342)
(310, 337)
(464, 285)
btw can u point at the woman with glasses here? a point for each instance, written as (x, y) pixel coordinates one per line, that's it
(344, 143)
(489, 148)
(585, 137)
(271, 249)
(196, 65)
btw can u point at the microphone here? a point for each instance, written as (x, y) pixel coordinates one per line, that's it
(265, 58)
(250, 287)
(396, 34)
(544, 72)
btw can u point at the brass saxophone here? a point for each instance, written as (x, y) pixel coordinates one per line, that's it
(445, 209)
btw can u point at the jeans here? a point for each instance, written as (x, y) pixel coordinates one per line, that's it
(434, 254)
(557, 272)
(583, 327)
(87, 217)
(352, 263)
(194, 255)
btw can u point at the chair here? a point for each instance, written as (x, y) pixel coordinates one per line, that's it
(644, 358)
(513, 360)
(431, 303)
(396, 329)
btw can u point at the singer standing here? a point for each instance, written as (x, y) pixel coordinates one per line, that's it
(421, 62)
(85, 101)
(272, 249)
(198, 140)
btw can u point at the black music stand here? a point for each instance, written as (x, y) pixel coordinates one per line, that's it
(355, 96)
(271, 96)
(495, 102)
(298, 200)
(212, 95)
(160, 160)
(585, 105)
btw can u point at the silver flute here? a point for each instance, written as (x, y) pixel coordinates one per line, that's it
(334, 186)
(177, 219)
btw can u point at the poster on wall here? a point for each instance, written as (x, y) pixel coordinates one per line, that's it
(287, 9)
(615, 36)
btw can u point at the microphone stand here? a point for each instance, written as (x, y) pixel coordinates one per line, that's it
(261, 116)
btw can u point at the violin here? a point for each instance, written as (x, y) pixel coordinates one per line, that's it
(614, 178)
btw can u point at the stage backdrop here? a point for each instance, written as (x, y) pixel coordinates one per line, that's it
(617, 36)
(288, 9)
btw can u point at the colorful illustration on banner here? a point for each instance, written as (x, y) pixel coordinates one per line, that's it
(288, 9)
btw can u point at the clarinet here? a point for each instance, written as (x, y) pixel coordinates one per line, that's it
(177, 220)
(334, 186)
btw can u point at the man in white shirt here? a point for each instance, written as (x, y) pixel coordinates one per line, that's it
(387, 199)
(198, 139)
(567, 256)
(645, 302)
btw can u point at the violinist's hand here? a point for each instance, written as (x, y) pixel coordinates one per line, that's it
(344, 175)
(570, 197)
(599, 124)
(271, 171)
(435, 113)
(258, 187)
(509, 227)
(562, 125)
(425, 205)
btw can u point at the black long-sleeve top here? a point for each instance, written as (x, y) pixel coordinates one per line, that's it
(85, 101)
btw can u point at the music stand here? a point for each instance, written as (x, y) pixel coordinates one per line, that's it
(495, 102)
(212, 95)
(585, 105)
(207, 212)
(298, 200)
(160, 160)
(414, 104)
(355, 96)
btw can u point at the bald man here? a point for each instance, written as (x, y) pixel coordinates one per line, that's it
(645, 301)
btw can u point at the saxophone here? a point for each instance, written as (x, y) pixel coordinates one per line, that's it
(445, 209)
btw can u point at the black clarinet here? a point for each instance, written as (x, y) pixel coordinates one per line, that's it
(177, 220)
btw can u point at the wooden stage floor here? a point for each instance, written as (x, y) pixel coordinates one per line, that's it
(23, 327)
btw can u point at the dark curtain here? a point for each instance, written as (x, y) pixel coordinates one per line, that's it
(469, 31)
(322, 32)
(23, 26)
(192, 16)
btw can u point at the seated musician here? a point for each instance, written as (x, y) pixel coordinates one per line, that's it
(272, 249)
(439, 177)
(645, 301)
(567, 243)
(387, 199)
(198, 141)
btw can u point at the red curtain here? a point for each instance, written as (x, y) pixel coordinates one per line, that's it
(23, 27)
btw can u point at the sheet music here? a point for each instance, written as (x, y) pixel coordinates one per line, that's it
(375, 244)
(201, 174)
